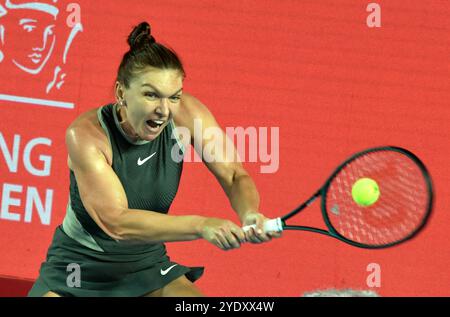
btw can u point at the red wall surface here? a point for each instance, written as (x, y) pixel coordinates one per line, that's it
(313, 68)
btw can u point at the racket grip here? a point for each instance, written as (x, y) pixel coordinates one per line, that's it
(270, 225)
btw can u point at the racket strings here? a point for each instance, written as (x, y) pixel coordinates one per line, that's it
(400, 209)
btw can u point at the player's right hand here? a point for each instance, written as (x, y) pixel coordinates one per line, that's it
(222, 233)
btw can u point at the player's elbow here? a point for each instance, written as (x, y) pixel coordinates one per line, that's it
(123, 225)
(114, 231)
(112, 224)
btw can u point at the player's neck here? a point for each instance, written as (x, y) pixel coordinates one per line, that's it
(126, 127)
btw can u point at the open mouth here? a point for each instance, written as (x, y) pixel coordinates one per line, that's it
(155, 124)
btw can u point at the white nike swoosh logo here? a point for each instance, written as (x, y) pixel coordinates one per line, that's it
(164, 272)
(140, 162)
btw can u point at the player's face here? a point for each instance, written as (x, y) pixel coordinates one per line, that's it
(151, 99)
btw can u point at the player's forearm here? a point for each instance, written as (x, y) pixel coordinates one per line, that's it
(154, 227)
(243, 195)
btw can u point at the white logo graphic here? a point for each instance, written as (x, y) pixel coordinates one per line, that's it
(164, 272)
(74, 278)
(374, 18)
(374, 278)
(211, 144)
(36, 26)
(140, 162)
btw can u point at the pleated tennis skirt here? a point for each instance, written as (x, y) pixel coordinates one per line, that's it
(105, 274)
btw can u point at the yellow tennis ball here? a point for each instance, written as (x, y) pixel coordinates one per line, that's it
(365, 192)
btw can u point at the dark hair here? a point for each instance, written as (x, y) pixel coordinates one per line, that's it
(145, 51)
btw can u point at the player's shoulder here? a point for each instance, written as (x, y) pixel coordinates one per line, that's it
(191, 108)
(86, 134)
(86, 125)
(191, 103)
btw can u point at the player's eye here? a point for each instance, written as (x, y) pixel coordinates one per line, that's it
(175, 98)
(151, 95)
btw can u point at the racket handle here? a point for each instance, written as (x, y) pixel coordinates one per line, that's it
(270, 225)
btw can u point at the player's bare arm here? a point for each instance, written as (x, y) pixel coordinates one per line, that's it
(96, 178)
(225, 166)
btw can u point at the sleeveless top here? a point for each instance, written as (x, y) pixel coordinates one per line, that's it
(150, 173)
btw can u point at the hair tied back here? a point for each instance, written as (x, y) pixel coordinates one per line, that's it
(141, 35)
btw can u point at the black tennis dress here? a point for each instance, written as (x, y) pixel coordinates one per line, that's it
(108, 267)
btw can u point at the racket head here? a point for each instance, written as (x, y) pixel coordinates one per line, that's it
(400, 212)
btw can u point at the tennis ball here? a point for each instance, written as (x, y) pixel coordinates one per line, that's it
(365, 192)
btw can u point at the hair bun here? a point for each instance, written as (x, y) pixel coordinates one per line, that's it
(140, 35)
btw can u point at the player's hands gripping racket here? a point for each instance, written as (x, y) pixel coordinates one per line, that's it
(377, 198)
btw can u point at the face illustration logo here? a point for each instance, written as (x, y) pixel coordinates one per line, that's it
(29, 38)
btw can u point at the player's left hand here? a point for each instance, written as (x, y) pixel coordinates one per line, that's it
(257, 235)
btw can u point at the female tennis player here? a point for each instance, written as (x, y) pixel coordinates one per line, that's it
(123, 179)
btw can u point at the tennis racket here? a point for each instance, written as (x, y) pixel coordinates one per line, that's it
(403, 207)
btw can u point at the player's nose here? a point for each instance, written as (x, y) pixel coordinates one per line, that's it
(163, 107)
